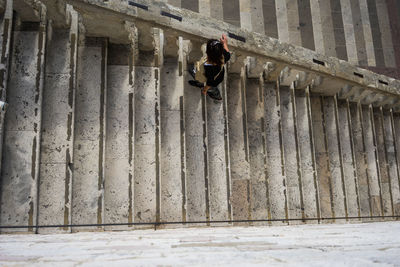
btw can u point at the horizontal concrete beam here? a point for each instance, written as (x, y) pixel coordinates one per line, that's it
(195, 26)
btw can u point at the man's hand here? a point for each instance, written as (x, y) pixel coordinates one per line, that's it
(224, 42)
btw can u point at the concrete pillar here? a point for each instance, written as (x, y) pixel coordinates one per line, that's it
(327, 28)
(396, 131)
(270, 19)
(205, 8)
(348, 159)
(172, 156)
(291, 154)
(259, 194)
(360, 42)
(371, 161)
(191, 5)
(391, 160)
(147, 195)
(56, 172)
(218, 157)
(231, 11)
(383, 165)
(5, 39)
(216, 8)
(273, 131)
(322, 157)
(282, 21)
(20, 168)
(366, 28)
(197, 196)
(338, 29)
(349, 33)
(376, 31)
(386, 34)
(318, 32)
(245, 14)
(251, 15)
(90, 133)
(305, 24)
(357, 133)
(306, 154)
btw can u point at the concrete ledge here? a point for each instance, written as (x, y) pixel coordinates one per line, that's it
(196, 27)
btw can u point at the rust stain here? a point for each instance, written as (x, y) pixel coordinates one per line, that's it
(157, 142)
(183, 167)
(30, 220)
(67, 187)
(33, 163)
(69, 126)
(72, 72)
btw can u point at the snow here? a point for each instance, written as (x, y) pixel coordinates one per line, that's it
(368, 244)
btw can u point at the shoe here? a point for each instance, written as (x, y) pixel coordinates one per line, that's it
(192, 73)
(214, 94)
(196, 83)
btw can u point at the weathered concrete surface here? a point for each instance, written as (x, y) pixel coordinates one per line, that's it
(20, 166)
(238, 146)
(57, 130)
(360, 159)
(172, 165)
(259, 194)
(396, 133)
(291, 153)
(348, 159)
(89, 136)
(306, 154)
(118, 182)
(273, 131)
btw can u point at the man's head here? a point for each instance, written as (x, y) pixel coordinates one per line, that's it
(214, 51)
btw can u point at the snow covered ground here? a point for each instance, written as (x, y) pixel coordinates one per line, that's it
(372, 244)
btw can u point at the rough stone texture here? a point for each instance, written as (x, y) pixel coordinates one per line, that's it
(306, 151)
(259, 198)
(87, 186)
(360, 159)
(217, 154)
(57, 132)
(384, 177)
(347, 159)
(276, 177)
(391, 159)
(396, 132)
(290, 150)
(371, 160)
(195, 160)
(22, 131)
(145, 160)
(322, 157)
(238, 144)
(118, 187)
(171, 93)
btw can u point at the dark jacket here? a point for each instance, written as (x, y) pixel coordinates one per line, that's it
(212, 70)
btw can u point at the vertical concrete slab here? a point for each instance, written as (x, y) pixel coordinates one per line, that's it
(191, 5)
(349, 32)
(145, 155)
(171, 98)
(322, 157)
(176, 3)
(215, 10)
(327, 28)
(360, 43)
(348, 159)
(275, 158)
(118, 179)
(316, 18)
(89, 136)
(391, 160)
(357, 132)
(259, 198)
(238, 146)
(219, 178)
(257, 16)
(371, 160)
(21, 151)
(306, 154)
(396, 139)
(245, 14)
(231, 11)
(270, 19)
(5, 40)
(57, 129)
(376, 33)
(196, 206)
(386, 34)
(338, 30)
(293, 22)
(306, 24)
(367, 32)
(393, 8)
(205, 8)
(383, 162)
(335, 166)
(282, 21)
(292, 164)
